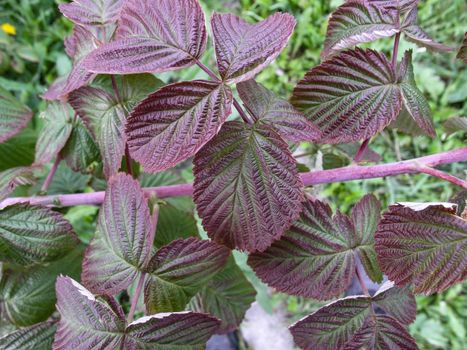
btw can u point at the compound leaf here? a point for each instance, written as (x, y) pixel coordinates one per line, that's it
(243, 49)
(227, 296)
(178, 270)
(14, 116)
(122, 243)
(153, 36)
(266, 107)
(85, 322)
(33, 234)
(92, 12)
(172, 124)
(350, 97)
(247, 189)
(55, 132)
(424, 246)
(356, 22)
(38, 337)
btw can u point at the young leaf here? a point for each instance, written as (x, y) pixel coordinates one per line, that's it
(80, 151)
(171, 331)
(27, 296)
(243, 49)
(105, 114)
(14, 116)
(227, 296)
(413, 32)
(414, 101)
(178, 270)
(316, 257)
(267, 108)
(85, 322)
(423, 246)
(55, 132)
(153, 36)
(172, 124)
(247, 189)
(11, 178)
(92, 12)
(356, 22)
(32, 234)
(121, 247)
(38, 337)
(350, 97)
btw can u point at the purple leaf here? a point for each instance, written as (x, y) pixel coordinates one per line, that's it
(38, 337)
(227, 296)
(243, 49)
(401, 5)
(55, 132)
(121, 247)
(105, 114)
(414, 101)
(424, 246)
(397, 302)
(173, 123)
(350, 97)
(417, 35)
(247, 189)
(359, 21)
(406, 124)
(171, 331)
(382, 333)
(153, 36)
(85, 322)
(178, 270)
(32, 234)
(14, 116)
(266, 107)
(13, 177)
(92, 12)
(462, 54)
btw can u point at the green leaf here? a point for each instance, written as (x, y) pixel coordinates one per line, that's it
(11, 178)
(19, 150)
(28, 296)
(173, 224)
(227, 296)
(33, 234)
(67, 181)
(37, 337)
(14, 116)
(455, 124)
(179, 270)
(55, 132)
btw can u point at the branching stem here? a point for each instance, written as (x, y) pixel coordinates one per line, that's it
(134, 301)
(51, 174)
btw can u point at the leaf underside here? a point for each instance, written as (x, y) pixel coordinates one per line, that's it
(247, 189)
(92, 12)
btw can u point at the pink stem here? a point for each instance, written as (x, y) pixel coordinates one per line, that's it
(442, 175)
(134, 301)
(51, 174)
(361, 281)
(361, 150)
(349, 173)
(395, 50)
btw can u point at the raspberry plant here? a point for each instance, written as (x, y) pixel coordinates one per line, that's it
(111, 117)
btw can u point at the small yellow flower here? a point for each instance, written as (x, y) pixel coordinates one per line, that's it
(9, 28)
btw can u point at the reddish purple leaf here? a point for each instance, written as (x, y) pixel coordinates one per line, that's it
(85, 322)
(350, 97)
(401, 5)
(462, 54)
(54, 92)
(359, 21)
(173, 123)
(171, 331)
(178, 271)
(13, 177)
(92, 12)
(424, 246)
(247, 189)
(266, 107)
(14, 116)
(398, 302)
(243, 49)
(121, 247)
(153, 36)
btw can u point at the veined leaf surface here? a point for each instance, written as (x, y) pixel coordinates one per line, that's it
(38, 337)
(247, 189)
(13, 177)
(153, 36)
(92, 12)
(243, 49)
(172, 124)
(14, 116)
(350, 97)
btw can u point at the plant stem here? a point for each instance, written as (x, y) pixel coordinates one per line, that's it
(395, 50)
(51, 174)
(359, 275)
(129, 169)
(349, 173)
(134, 301)
(442, 175)
(361, 150)
(207, 70)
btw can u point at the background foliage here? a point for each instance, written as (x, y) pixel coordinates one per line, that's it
(32, 56)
